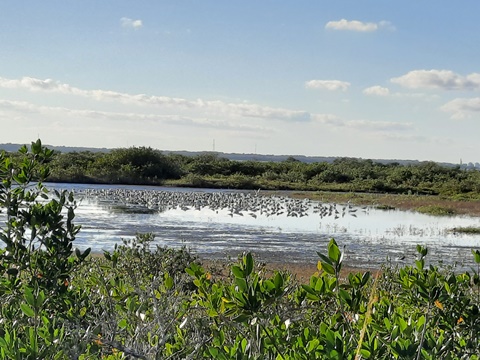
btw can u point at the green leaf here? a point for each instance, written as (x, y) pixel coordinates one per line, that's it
(420, 264)
(320, 285)
(27, 310)
(244, 344)
(278, 281)
(36, 147)
(422, 250)
(365, 278)
(308, 289)
(237, 271)
(23, 149)
(312, 345)
(122, 324)
(241, 318)
(328, 268)
(33, 340)
(213, 351)
(402, 323)
(268, 285)
(41, 298)
(333, 251)
(344, 295)
(86, 253)
(168, 281)
(241, 283)
(476, 255)
(365, 353)
(248, 261)
(324, 258)
(29, 297)
(420, 322)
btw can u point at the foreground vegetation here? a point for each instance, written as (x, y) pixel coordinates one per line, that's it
(145, 302)
(140, 165)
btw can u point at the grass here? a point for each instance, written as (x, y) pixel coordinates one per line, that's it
(436, 210)
(466, 230)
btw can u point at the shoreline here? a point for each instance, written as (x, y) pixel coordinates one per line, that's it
(412, 202)
(220, 268)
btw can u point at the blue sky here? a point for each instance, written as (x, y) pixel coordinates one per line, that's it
(370, 79)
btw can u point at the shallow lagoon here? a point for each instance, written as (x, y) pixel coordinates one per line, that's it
(371, 237)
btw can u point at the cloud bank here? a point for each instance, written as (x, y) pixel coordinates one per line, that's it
(215, 115)
(439, 80)
(376, 90)
(462, 108)
(331, 85)
(213, 107)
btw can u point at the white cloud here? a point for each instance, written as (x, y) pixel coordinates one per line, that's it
(368, 125)
(462, 108)
(438, 79)
(331, 85)
(395, 136)
(22, 107)
(362, 125)
(386, 25)
(328, 119)
(129, 23)
(264, 112)
(33, 84)
(352, 25)
(213, 107)
(199, 113)
(17, 106)
(377, 90)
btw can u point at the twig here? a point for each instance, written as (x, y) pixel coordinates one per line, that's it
(368, 316)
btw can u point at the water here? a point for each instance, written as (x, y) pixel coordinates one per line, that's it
(219, 223)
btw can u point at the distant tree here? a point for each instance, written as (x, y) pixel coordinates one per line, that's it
(291, 159)
(138, 165)
(209, 164)
(72, 166)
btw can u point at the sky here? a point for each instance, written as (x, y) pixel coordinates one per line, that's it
(367, 79)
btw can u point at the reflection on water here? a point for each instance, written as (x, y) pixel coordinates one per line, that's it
(216, 224)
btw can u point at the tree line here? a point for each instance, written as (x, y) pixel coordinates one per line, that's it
(144, 165)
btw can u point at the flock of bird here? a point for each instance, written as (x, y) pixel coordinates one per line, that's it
(236, 203)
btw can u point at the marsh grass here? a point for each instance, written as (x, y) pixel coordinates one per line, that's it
(466, 230)
(436, 210)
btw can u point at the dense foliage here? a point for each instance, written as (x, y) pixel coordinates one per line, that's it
(140, 165)
(146, 302)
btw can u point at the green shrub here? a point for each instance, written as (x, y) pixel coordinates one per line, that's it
(36, 262)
